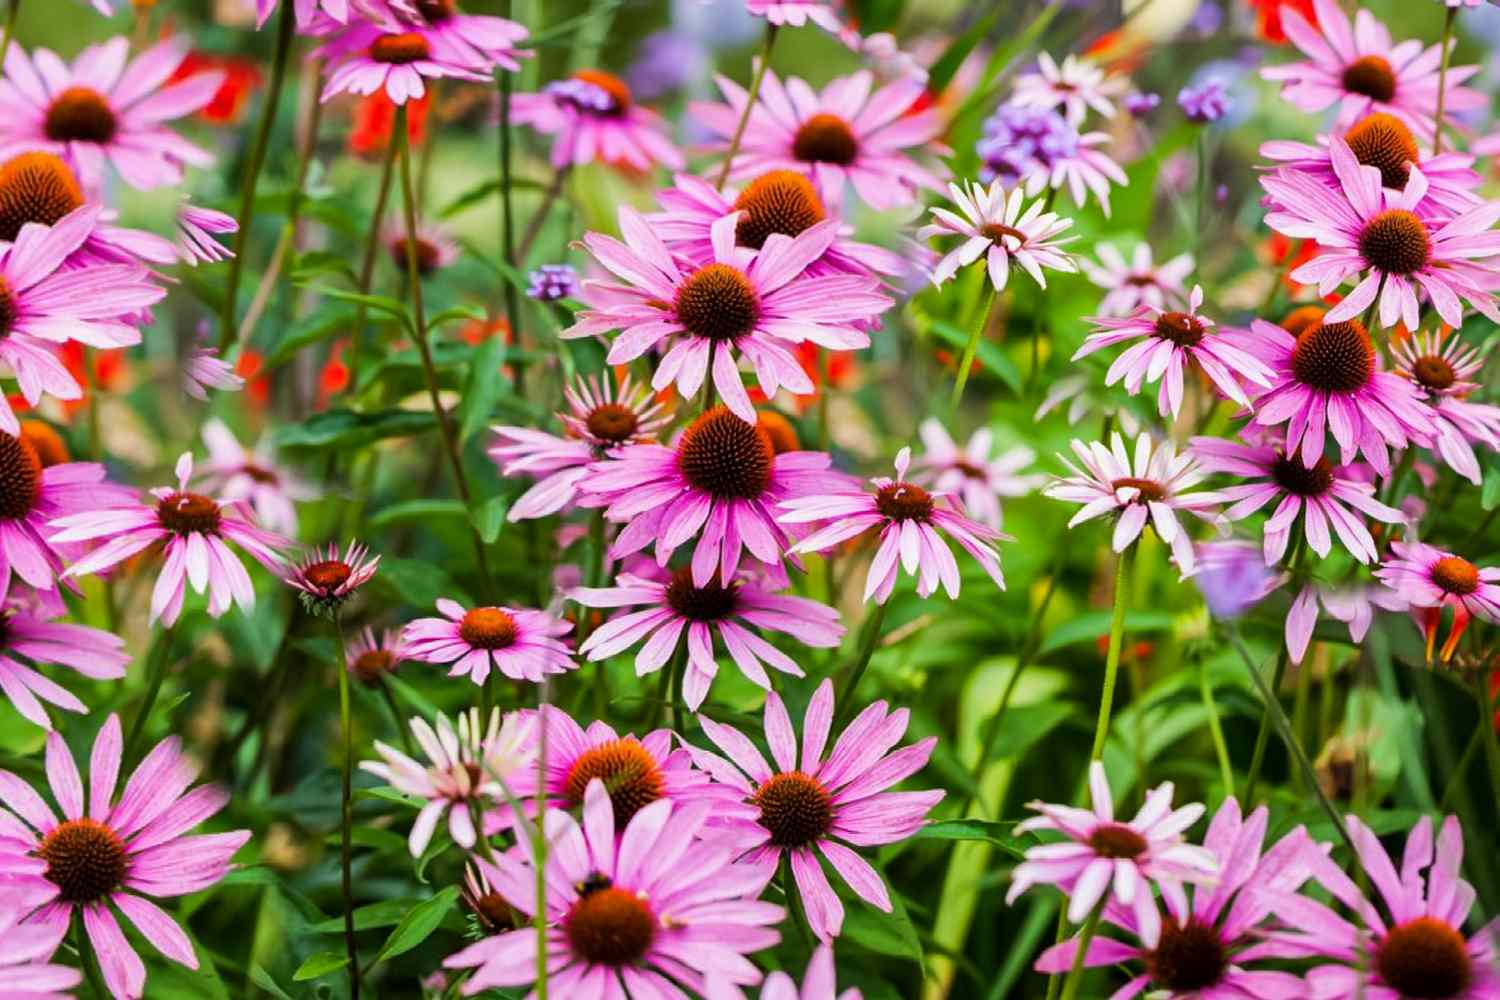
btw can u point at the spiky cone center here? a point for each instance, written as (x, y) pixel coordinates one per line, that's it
(494, 914)
(609, 925)
(51, 449)
(717, 302)
(1432, 371)
(795, 808)
(429, 257)
(372, 665)
(710, 603)
(327, 575)
(997, 231)
(1396, 242)
(630, 774)
(618, 90)
(904, 502)
(85, 859)
(80, 114)
(1147, 490)
(35, 187)
(1456, 575)
(1383, 141)
(1425, 959)
(614, 423)
(488, 628)
(1117, 841)
(1182, 329)
(725, 457)
(1188, 958)
(1302, 319)
(1334, 357)
(780, 430)
(189, 514)
(781, 201)
(826, 138)
(20, 477)
(436, 11)
(399, 49)
(1295, 478)
(1371, 76)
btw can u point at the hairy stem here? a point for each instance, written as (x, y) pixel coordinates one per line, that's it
(754, 92)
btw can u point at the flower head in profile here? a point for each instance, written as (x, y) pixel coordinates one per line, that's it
(755, 305)
(193, 532)
(436, 249)
(593, 116)
(1152, 487)
(1000, 227)
(373, 657)
(911, 522)
(104, 110)
(654, 907)
(824, 804)
(203, 370)
(468, 768)
(108, 855)
(325, 580)
(252, 475)
(1354, 605)
(1208, 947)
(972, 473)
(1041, 150)
(674, 610)
(849, 133)
(1443, 368)
(1077, 86)
(796, 13)
(520, 643)
(197, 229)
(1140, 281)
(30, 639)
(395, 59)
(1101, 856)
(1421, 950)
(1430, 579)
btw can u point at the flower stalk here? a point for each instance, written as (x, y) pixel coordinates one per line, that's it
(763, 62)
(346, 808)
(1112, 657)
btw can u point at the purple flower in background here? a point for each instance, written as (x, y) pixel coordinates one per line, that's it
(1204, 102)
(551, 282)
(667, 61)
(1141, 105)
(1233, 577)
(1019, 141)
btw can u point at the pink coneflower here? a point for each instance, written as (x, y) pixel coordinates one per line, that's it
(1353, 605)
(43, 304)
(1138, 282)
(203, 370)
(1374, 235)
(1207, 948)
(1154, 487)
(520, 643)
(818, 983)
(1076, 86)
(325, 580)
(252, 475)
(971, 473)
(778, 201)
(101, 109)
(372, 657)
(592, 115)
(601, 417)
(118, 853)
(796, 13)
(41, 188)
(308, 11)
(722, 481)
(1443, 370)
(1359, 68)
(1429, 578)
(1102, 856)
(649, 915)
(28, 639)
(24, 950)
(1086, 401)
(1320, 494)
(31, 497)
(436, 247)
(909, 518)
(194, 532)
(476, 40)
(816, 805)
(468, 768)
(1172, 342)
(396, 59)
(1422, 951)
(678, 611)
(756, 303)
(197, 228)
(847, 133)
(1004, 230)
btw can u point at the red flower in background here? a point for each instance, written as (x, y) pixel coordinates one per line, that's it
(241, 78)
(333, 378)
(1268, 16)
(375, 116)
(257, 386)
(108, 368)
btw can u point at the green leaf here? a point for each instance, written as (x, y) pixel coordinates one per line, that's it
(386, 913)
(489, 518)
(990, 356)
(320, 262)
(420, 921)
(1096, 623)
(948, 63)
(347, 430)
(998, 834)
(1489, 493)
(883, 933)
(485, 387)
(320, 964)
(471, 313)
(418, 582)
(380, 303)
(323, 322)
(416, 510)
(260, 977)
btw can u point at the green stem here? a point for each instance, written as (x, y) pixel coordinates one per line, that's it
(1456, 779)
(1202, 200)
(367, 266)
(1215, 730)
(1263, 735)
(270, 692)
(12, 11)
(750, 97)
(1437, 137)
(1487, 727)
(539, 847)
(1112, 657)
(539, 219)
(508, 222)
(970, 349)
(664, 686)
(869, 637)
(87, 959)
(285, 32)
(346, 810)
(396, 717)
(794, 901)
(156, 672)
(1085, 936)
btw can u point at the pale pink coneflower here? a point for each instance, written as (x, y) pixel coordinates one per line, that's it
(197, 228)
(818, 983)
(1209, 948)
(1421, 951)
(1168, 342)
(647, 912)
(103, 109)
(309, 13)
(756, 304)
(1353, 605)
(194, 532)
(203, 370)
(372, 656)
(472, 764)
(812, 804)
(796, 13)
(911, 521)
(1102, 857)
(520, 643)
(1328, 379)
(117, 853)
(1151, 488)
(1359, 68)
(1077, 86)
(24, 951)
(28, 639)
(1321, 495)
(848, 133)
(1375, 236)
(601, 416)
(1085, 401)
(971, 473)
(252, 475)
(592, 115)
(480, 40)
(1003, 229)
(398, 59)
(1429, 579)
(1443, 368)
(324, 579)
(1139, 281)
(674, 610)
